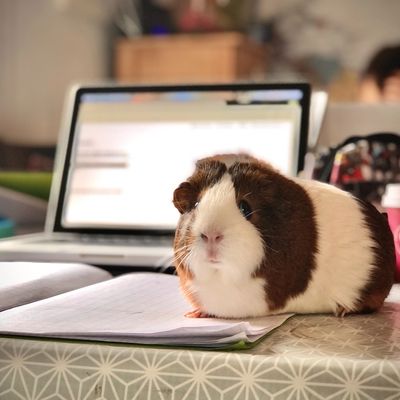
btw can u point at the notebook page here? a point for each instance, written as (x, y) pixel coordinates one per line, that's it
(26, 282)
(133, 307)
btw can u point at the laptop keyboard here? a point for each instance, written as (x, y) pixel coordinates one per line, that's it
(108, 240)
(127, 241)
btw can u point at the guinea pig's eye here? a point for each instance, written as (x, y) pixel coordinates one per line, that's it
(245, 208)
(196, 204)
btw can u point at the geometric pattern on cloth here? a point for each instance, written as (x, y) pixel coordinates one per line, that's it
(309, 357)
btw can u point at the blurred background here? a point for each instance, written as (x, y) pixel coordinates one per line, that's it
(46, 45)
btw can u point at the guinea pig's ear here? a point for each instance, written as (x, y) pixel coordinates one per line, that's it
(185, 197)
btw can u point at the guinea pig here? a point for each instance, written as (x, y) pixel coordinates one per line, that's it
(252, 242)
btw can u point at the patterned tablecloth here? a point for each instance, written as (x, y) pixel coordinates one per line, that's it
(309, 357)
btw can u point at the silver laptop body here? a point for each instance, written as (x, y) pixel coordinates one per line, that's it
(123, 149)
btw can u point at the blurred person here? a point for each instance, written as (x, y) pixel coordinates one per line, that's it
(380, 81)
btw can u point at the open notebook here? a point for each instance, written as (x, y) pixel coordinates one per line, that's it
(123, 150)
(141, 308)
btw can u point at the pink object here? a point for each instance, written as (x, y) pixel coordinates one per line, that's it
(391, 202)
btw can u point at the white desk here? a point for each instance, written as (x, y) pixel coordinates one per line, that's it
(309, 357)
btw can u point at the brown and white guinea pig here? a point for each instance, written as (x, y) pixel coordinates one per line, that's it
(252, 242)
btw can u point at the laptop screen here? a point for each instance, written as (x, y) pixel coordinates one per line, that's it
(129, 148)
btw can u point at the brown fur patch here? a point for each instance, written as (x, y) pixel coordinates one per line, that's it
(382, 276)
(208, 172)
(284, 216)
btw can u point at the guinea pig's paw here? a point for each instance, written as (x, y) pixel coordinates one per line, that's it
(196, 313)
(341, 311)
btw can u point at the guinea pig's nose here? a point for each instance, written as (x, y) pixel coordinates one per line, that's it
(212, 237)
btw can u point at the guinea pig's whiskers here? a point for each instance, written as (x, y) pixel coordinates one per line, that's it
(165, 263)
(266, 246)
(251, 213)
(181, 255)
(267, 234)
(183, 249)
(182, 261)
(178, 261)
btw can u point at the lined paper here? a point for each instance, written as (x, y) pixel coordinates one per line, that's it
(143, 308)
(26, 282)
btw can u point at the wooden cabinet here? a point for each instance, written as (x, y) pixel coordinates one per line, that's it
(180, 58)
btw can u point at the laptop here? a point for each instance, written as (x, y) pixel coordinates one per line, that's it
(346, 119)
(123, 150)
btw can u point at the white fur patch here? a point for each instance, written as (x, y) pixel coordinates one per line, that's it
(344, 258)
(226, 288)
(230, 299)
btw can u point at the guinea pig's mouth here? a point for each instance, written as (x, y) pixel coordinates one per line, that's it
(212, 259)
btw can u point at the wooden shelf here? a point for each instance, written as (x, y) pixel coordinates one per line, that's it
(217, 57)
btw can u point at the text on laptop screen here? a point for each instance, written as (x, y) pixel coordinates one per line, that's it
(131, 151)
